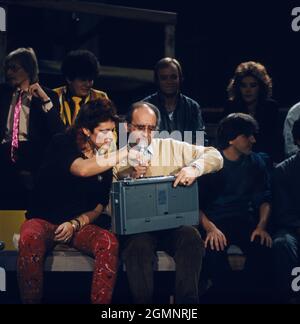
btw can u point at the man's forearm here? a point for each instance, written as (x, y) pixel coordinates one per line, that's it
(90, 216)
(264, 215)
(210, 161)
(99, 164)
(206, 223)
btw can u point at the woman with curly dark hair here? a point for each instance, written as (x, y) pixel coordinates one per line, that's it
(250, 92)
(72, 190)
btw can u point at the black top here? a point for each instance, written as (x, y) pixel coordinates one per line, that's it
(236, 191)
(270, 138)
(186, 117)
(59, 196)
(286, 187)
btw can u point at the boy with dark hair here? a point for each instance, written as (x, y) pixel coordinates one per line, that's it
(235, 204)
(80, 69)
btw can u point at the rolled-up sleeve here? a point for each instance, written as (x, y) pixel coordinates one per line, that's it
(206, 159)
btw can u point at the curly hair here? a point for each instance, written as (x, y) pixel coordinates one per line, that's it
(256, 70)
(95, 112)
(81, 64)
(89, 117)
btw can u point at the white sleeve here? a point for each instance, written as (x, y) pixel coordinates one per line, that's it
(292, 116)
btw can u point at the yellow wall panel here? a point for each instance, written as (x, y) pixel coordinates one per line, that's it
(10, 223)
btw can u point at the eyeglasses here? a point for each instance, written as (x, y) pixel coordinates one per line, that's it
(143, 128)
(13, 67)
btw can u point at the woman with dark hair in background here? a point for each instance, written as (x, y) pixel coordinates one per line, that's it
(250, 92)
(71, 192)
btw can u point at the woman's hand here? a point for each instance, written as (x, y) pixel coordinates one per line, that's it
(64, 233)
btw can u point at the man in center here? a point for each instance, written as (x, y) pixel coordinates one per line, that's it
(164, 157)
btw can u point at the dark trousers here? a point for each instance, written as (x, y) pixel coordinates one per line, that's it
(286, 255)
(17, 178)
(184, 244)
(256, 270)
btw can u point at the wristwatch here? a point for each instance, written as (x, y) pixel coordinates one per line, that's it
(47, 105)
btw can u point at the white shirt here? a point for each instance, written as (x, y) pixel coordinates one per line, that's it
(293, 115)
(24, 116)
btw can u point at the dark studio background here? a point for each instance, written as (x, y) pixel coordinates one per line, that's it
(212, 37)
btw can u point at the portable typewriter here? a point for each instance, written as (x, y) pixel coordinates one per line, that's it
(152, 204)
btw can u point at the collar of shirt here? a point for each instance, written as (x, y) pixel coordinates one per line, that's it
(161, 100)
(25, 94)
(150, 150)
(69, 96)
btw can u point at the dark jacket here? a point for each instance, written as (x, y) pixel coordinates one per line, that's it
(187, 115)
(286, 187)
(238, 190)
(42, 126)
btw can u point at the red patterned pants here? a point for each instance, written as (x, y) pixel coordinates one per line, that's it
(37, 238)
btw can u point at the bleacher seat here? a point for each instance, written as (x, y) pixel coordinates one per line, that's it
(64, 259)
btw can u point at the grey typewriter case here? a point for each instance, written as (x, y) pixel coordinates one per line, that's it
(152, 204)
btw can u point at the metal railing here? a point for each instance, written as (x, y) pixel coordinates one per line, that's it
(167, 19)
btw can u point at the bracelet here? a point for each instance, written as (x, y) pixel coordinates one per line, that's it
(75, 224)
(46, 102)
(78, 223)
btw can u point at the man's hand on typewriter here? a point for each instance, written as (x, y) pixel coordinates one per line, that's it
(186, 177)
